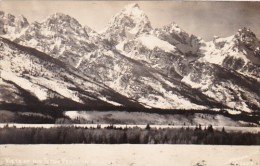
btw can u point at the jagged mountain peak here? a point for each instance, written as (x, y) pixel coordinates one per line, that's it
(12, 18)
(129, 22)
(239, 52)
(245, 31)
(244, 37)
(6, 15)
(246, 42)
(186, 43)
(60, 35)
(132, 12)
(59, 15)
(172, 27)
(61, 18)
(11, 26)
(21, 17)
(247, 37)
(58, 24)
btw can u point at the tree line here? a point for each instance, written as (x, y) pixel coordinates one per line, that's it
(136, 135)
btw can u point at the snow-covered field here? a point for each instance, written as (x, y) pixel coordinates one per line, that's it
(142, 118)
(129, 155)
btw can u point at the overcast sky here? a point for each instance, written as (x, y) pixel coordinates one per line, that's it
(205, 19)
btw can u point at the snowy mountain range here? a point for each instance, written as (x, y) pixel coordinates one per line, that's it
(61, 64)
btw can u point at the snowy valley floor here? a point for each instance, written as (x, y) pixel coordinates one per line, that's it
(129, 155)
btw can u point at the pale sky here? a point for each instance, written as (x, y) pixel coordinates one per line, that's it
(204, 19)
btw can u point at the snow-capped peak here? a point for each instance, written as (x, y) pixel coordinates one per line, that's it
(7, 18)
(239, 52)
(60, 18)
(173, 27)
(247, 41)
(131, 21)
(135, 15)
(11, 26)
(246, 36)
(22, 18)
(60, 35)
(58, 24)
(173, 34)
(133, 10)
(6, 15)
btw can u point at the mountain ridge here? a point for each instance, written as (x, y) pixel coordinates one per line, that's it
(135, 65)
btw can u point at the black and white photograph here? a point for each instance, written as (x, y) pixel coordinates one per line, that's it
(129, 83)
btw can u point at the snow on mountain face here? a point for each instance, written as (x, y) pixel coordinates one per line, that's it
(186, 43)
(154, 53)
(36, 78)
(239, 52)
(17, 67)
(250, 45)
(204, 77)
(11, 26)
(131, 65)
(138, 82)
(173, 52)
(127, 24)
(60, 36)
(230, 88)
(151, 42)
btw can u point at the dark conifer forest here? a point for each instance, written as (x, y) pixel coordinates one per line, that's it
(119, 135)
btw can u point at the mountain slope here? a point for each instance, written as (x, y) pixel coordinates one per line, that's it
(105, 65)
(191, 67)
(49, 81)
(140, 83)
(130, 64)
